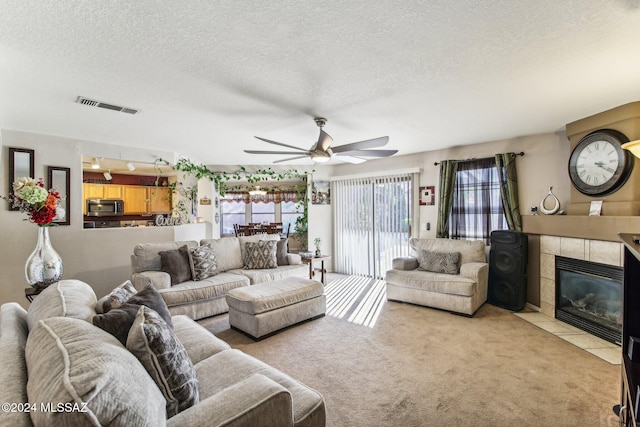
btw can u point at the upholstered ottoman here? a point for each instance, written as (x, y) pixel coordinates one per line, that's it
(263, 309)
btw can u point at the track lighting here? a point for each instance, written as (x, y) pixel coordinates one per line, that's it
(130, 166)
(95, 164)
(107, 175)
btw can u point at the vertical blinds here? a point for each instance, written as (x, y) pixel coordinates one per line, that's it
(372, 217)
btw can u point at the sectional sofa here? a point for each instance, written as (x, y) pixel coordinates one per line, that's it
(61, 370)
(203, 298)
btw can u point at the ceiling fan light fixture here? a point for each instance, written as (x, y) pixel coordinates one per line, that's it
(95, 164)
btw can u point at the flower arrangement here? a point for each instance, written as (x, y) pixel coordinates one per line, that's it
(31, 197)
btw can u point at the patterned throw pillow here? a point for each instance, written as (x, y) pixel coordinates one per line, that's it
(116, 297)
(260, 254)
(164, 357)
(203, 262)
(440, 262)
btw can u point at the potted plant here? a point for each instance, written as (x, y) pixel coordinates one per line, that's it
(318, 242)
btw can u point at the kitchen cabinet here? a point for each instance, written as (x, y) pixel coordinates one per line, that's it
(138, 200)
(135, 199)
(159, 200)
(112, 191)
(99, 191)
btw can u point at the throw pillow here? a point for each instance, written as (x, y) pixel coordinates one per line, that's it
(281, 251)
(440, 262)
(164, 357)
(118, 321)
(203, 262)
(261, 254)
(294, 259)
(116, 297)
(176, 263)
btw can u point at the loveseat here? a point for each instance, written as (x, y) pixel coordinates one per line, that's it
(206, 297)
(447, 274)
(58, 369)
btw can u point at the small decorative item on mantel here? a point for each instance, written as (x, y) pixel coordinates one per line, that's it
(556, 204)
(318, 242)
(44, 265)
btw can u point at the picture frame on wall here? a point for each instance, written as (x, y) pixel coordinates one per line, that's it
(321, 193)
(428, 195)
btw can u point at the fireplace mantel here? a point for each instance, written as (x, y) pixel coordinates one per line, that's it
(580, 226)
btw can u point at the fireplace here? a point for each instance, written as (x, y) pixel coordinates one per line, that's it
(589, 297)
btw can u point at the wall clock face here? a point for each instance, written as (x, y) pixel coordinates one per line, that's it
(599, 165)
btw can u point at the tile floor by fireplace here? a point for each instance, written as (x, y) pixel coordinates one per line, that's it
(594, 345)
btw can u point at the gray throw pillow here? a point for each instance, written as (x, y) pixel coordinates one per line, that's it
(203, 262)
(116, 297)
(281, 251)
(176, 263)
(164, 357)
(118, 321)
(440, 262)
(260, 254)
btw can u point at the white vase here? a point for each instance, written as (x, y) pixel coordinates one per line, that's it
(44, 265)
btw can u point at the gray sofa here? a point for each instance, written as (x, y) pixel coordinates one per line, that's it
(204, 298)
(76, 374)
(462, 292)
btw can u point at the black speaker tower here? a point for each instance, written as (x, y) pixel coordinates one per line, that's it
(508, 270)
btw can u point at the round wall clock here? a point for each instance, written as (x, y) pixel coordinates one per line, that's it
(599, 165)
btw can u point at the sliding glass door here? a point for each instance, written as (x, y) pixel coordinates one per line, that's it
(372, 218)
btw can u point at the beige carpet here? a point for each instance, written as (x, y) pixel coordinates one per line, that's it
(417, 366)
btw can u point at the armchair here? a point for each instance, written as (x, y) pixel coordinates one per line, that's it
(462, 289)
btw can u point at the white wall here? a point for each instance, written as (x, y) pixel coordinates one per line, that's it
(100, 257)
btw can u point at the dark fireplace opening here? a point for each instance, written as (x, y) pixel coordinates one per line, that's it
(589, 297)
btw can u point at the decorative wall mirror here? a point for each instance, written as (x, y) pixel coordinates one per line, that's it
(59, 178)
(21, 164)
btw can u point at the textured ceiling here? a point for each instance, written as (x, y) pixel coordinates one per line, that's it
(209, 75)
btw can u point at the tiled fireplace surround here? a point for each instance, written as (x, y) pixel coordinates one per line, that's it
(603, 252)
(610, 253)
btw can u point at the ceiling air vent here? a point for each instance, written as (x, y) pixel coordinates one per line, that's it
(93, 103)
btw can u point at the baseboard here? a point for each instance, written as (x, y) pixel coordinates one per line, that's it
(533, 307)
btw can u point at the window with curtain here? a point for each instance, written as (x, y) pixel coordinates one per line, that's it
(477, 207)
(372, 218)
(263, 212)
(233, 212)
(289, 212)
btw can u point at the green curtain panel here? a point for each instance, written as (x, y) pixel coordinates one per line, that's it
(506, 164)
(448, 170)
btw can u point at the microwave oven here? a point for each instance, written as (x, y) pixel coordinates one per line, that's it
(105, 207)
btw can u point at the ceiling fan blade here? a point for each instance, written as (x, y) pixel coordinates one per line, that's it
(369, 153)
(369, 143)
(281, 144)
(324, 141)
(270, 152)
(291, 158)
(354, 160)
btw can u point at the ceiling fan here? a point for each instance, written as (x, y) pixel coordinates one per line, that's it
(321, 151)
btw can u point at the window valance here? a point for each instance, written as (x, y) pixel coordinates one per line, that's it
(275, 196)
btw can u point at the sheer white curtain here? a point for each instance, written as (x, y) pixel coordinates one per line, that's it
(372, 222)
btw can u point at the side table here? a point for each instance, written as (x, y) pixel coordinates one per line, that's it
(31, 293)
(322, 269)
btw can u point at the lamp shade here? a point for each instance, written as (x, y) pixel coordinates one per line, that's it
(633, 146)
